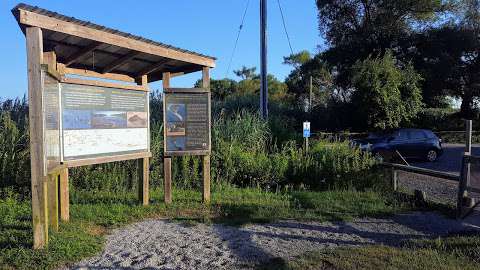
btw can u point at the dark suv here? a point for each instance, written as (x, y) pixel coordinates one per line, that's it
(411, 143)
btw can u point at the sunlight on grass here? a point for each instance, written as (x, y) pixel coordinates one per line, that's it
(93, 214)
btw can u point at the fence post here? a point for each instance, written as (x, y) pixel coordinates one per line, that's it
(462, 185)
(468, 149)
(394, 177)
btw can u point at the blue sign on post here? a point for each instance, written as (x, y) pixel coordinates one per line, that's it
(306, 129)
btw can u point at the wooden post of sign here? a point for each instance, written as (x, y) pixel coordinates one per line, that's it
(143, 164)
(167, 161)
(64, 196)
(206, 158)
(52, 194)
(37, 160)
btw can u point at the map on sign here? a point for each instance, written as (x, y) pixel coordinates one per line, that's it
(187, 121)
(100, 121)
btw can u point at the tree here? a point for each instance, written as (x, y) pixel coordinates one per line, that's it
(246, 73)
(220, 88)
(298, 81)
(356, 29)
(385, 95)
(449, 59)
(297, 59)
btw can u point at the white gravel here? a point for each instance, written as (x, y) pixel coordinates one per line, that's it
(163, 244)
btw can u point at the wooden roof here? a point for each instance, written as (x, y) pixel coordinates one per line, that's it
(88, 46)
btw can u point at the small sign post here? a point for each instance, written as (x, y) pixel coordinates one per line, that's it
(306, 134)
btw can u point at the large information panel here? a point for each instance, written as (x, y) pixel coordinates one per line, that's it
(99, 121)
(187, 121)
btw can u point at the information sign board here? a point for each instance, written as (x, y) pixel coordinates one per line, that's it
(306, 129)
(187, 121)
(100, 121)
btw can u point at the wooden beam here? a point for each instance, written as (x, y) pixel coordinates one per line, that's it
(88, 73)
(53, 201)
(206, 158)
(143, 183)
(103, 84)
(34, 19)
(64, 196)
(100, 160)
(81, 53)
(167, 160)
(37, 158)
(153, 68)
(120, 61)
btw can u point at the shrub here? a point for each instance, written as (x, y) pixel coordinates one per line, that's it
(334, 165)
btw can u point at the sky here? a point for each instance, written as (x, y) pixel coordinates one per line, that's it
(205, 26)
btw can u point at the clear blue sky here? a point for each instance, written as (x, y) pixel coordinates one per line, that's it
(205, 26)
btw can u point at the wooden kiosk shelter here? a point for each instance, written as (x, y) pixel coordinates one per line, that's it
(91, 58)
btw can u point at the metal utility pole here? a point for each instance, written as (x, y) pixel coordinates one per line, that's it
(310, 95)
(263, 60)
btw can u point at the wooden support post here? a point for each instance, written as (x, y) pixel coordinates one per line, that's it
(52, 203)
(64, 196)
(44, 225)
(206, 159)
(468, 151)
(462, 186)
(37, 162)
(143, 183)
(167, 161)
(394, 179)
(206, 179)
(167, 169)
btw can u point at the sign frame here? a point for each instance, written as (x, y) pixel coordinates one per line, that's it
(170, 91)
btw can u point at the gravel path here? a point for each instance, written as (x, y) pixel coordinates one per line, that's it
(162, 244)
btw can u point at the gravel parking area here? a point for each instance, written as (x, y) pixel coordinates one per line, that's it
(437, 189)
(162, 244)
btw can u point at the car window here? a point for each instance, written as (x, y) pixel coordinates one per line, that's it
(417, 135)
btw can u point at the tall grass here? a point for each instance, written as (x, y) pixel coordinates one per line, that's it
(247, 151)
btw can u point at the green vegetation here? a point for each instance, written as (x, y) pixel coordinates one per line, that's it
(456, 252)
(95, 213)
(386, 95)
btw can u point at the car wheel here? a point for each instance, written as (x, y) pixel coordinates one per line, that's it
(432, 155)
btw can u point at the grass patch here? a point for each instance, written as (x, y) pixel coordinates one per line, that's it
(93, 214)
(456, 252)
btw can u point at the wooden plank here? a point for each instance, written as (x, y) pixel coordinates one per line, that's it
(423, 171)
(89, 73)
(100, 160)
(206, 85)
(64, 196)
(81, 53)
(167, 160)
(57, 25)
(206, 179)
(186, 90)
(50, 58)
(103, 84)
(143, 183)
(37, 158)
(185, 153)
(52, 186)
(167, 169)
(44, 225)
(206, 158)
(120, 61)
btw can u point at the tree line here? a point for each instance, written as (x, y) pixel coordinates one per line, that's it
(385, 63)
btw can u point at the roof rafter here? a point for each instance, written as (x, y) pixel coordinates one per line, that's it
(154, 67)
(120, 61)
(82, 52)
